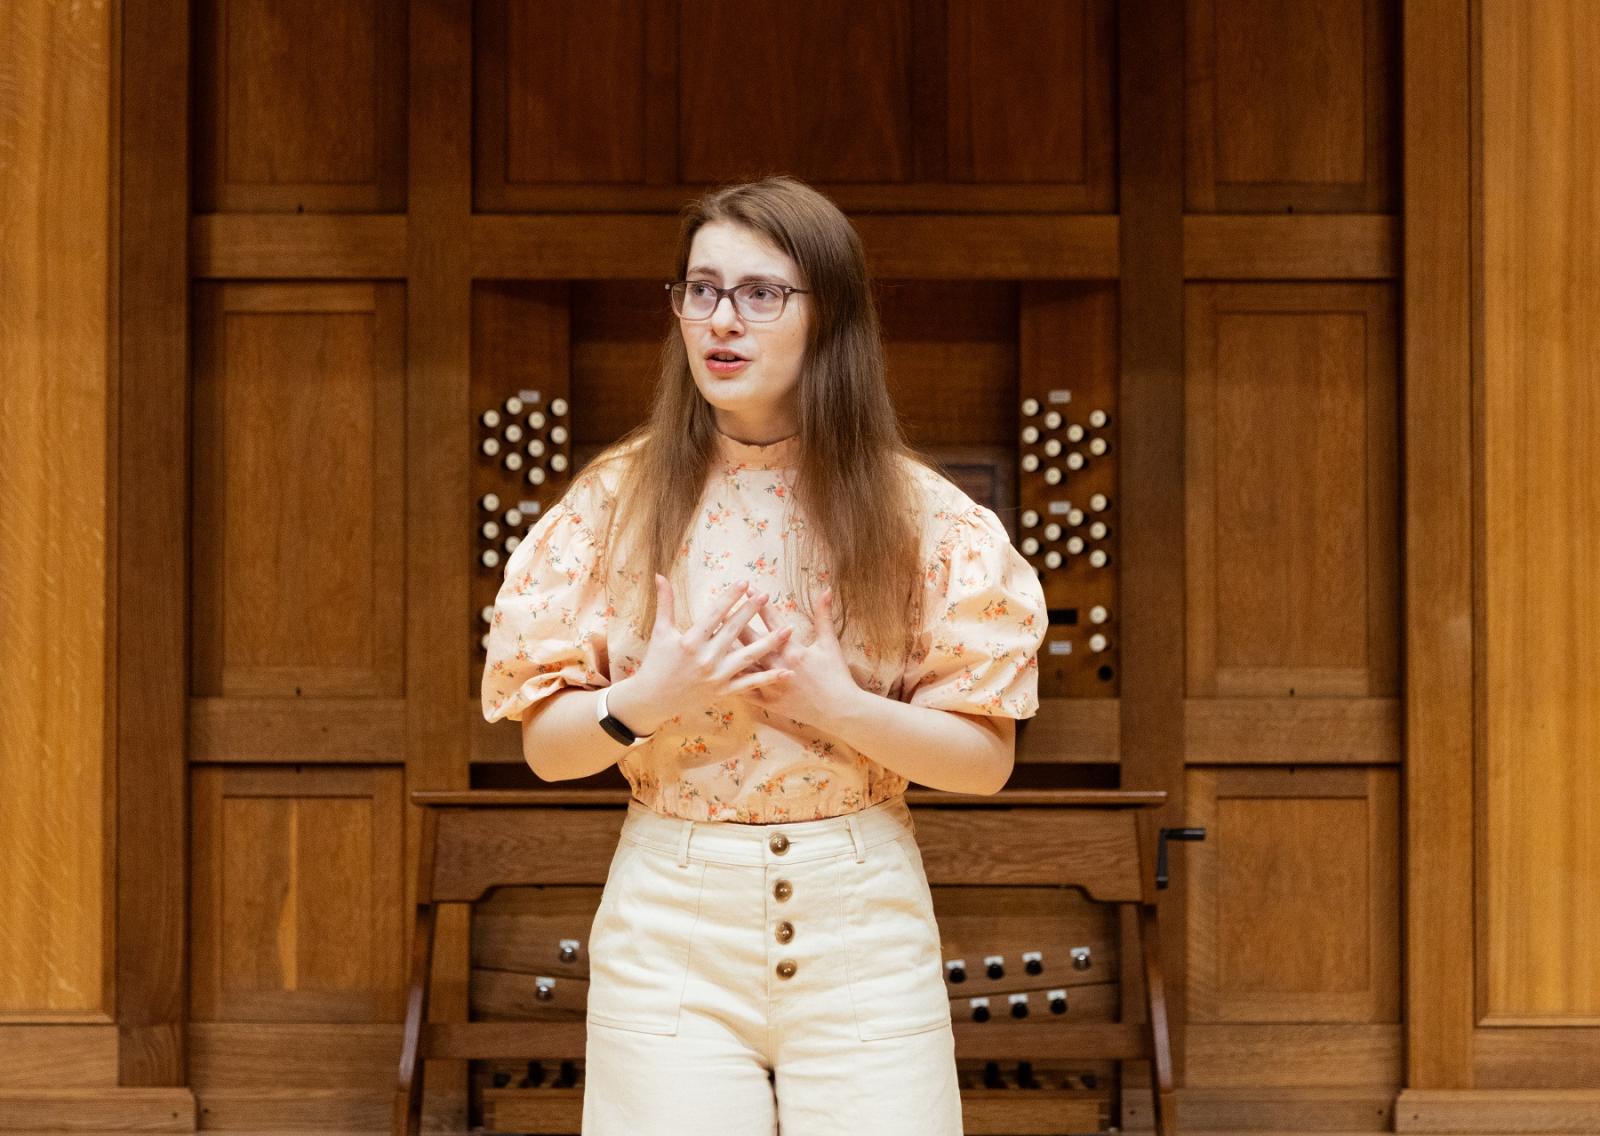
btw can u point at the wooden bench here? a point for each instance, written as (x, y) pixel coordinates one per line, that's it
(1102, 841)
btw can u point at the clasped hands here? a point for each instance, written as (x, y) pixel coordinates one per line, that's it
(722, 654)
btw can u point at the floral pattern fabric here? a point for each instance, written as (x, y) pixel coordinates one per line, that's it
(558, 623)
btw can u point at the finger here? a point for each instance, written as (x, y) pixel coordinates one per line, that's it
(719, 611)
(757, 650)
(824, 624)
(664, 614)
(736, 623)
(759, 679)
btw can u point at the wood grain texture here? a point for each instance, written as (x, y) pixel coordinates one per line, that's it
(1290, 105)
(300, 106)
(1151, 376)
(298, 246)
(297, 895)
(1329, 246)
(1540, 520)
(298, 529)
(1292, 466)
(150, 526)
(55, 489)
(1296, 895)
(1438, 545)
(438, 441)
(1305, 731)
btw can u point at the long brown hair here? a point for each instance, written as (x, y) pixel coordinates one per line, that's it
(853, 485)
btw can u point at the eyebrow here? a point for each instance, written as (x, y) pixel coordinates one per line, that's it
(770, 278)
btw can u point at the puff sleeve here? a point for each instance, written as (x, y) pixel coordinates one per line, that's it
(548, 631)
(983, 620)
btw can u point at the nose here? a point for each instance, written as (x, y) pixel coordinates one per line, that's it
(724, 315)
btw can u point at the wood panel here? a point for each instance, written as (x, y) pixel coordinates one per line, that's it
(1031, 88)
(1438, 544)
(297, 895)
(1290, 105)
(1292, 1055)
(1295, 895)
(55, 492)
(823, 90)
(150, 523)
(298, 523)
(1150, 100)
(1539, 529)
(1292, 487)
(300, 105)
(437, 474)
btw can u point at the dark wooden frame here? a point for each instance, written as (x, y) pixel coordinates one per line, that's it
(1101, 841)
(148, 538)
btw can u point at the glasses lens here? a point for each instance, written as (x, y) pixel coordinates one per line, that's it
(694, 299)
(759, 301)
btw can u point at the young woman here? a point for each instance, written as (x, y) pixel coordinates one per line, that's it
(771, 615)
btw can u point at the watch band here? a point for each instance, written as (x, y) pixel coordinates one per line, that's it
(613, 726)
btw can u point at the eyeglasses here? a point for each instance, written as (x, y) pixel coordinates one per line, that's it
(757, 301)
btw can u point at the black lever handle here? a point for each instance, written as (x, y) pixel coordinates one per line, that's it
(1161, 848)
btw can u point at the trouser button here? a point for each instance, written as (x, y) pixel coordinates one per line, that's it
(779, 843)
(785, 931)
(783, 889)
(786, 968)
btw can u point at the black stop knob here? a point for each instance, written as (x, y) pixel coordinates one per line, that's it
(1035, 966)
(501, 1080)
(1025, 1078)
(1058, 1004)
(980, 1013)
(957, 974)
(991, 1075)
(1019, 1009)
(535, 1076)
(996, 970)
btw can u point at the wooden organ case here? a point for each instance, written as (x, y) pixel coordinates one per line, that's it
(1136, 268)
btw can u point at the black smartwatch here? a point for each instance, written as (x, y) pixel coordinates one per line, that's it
(612, 726)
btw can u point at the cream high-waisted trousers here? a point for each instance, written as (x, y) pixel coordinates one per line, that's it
(746, 980)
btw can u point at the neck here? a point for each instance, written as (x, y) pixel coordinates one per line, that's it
(758, 433)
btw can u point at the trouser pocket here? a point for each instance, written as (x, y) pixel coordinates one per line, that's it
(641, 940)
(892, 948)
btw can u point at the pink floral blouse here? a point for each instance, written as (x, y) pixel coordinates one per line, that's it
(557, 624)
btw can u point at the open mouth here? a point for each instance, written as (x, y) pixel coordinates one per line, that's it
(721, 362)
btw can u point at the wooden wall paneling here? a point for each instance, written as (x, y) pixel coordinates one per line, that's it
(1327, 246)
(438, 441)
(1067, 349)
(299, 246)
(1031, 97)
(1438, 545)
(56, 487)
(956, 246)
(297, 895)
(1310, 731)
(1290, 105)
(524, 408)
(1150, 396)
(1295, 895)
(833, 99)
(951, 350)
(536, 63)
(617, 332)
(1538, 526)
(300, 106)
(298, 525)
(149, 522)
(1292, 474)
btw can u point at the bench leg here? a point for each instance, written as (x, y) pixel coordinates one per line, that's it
(1166, 1113)
(407, 1117)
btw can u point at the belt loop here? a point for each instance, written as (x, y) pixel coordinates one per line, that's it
(683, 844)
(855, 837)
